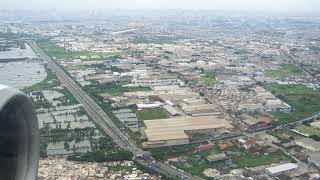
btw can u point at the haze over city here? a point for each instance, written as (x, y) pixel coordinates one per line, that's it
(238, 5)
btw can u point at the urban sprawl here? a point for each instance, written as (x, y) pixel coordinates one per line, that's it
(179, 95)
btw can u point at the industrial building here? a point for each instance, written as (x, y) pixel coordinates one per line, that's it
(173, 111)
(200, 109)
(308, 143)
(128, 119)
(280, 169)
(154, 80)
(216, 157)
(235, 80)
(176, 131)
(314, 158)
(263, 124)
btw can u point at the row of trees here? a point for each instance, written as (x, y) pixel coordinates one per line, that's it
(102, 156)
(103, 149)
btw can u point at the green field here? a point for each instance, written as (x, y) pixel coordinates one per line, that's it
(163, 153)
(114, 89)
(304, 100)
(283, 135)
(249, 160)
(309, 130)
(285, 71)
(197, 162)
(57, 52)
(208, 79)
(119, 91)
(154, 113)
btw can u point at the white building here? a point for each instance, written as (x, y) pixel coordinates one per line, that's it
(280, 169)
(150, 81)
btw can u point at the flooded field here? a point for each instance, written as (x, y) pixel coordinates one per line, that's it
(59, 147)
(20, 74)
(66, 127)
(17, 53)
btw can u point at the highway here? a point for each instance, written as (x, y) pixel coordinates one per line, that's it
(101, 118)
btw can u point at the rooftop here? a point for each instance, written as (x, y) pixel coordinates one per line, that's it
(173, 128)
(281, 168)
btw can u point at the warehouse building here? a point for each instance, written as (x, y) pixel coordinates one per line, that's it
(176, 131)
(201, 109)
(280, 169)
(308, 143)
(128, 119)
(216, 157)
(172, 110)
(314, 158)
(154, 80)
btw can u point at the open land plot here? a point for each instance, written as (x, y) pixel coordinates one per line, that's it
(115, 89)
(304, 101)
(58, 52)
(284, 135)
(285, 71)
(154, 113)
(163, 153)
(197, 162)
(208, 79)
(249, 160)
(313, 131)
(119, 91)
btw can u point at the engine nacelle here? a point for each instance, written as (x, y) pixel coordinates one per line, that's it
(19, 136)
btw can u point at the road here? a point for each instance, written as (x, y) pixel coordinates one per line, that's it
(308, 119)
(100, 117)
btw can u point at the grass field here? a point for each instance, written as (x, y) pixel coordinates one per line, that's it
(53, 51)
(154, 113)
(309, 130)
(197, 162)
(283, 135)
(163, 153)
(248, 160)
(285, 71)
(304, 100)
(116, 89)
(119, 91)
(208, 79)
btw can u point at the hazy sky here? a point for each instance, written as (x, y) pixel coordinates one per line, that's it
(260, 5)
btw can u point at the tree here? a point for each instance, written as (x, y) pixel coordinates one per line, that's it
(66, 146)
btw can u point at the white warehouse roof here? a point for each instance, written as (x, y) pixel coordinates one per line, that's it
(274, 170)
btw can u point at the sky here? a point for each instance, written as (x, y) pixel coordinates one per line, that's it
(238, 5)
